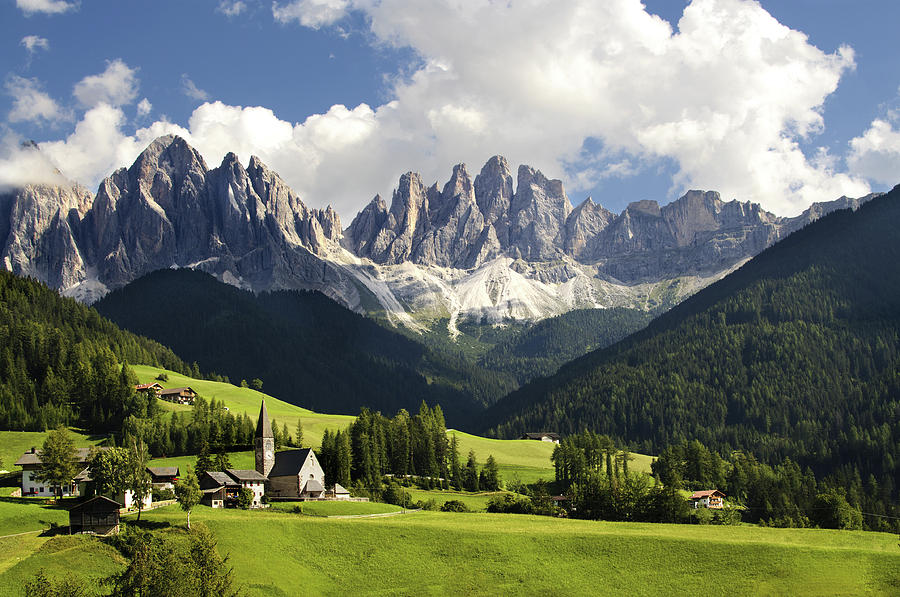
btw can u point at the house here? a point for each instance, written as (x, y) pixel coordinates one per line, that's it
(148, 388)
(542, 437)
(126, 498)
(31, 464)
(219, 489)
(252, 480)
(178, 395)
(163, 477)
(98, 516)
(711, 498)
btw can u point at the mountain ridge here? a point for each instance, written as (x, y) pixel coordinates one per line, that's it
(479, 248)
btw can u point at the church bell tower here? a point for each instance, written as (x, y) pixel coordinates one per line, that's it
(264, 442)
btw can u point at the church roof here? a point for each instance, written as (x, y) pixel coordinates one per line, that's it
(263, 426)
(289, 462)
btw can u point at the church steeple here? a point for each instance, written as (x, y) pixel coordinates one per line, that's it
(264, 442)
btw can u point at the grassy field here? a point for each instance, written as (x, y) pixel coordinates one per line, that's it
(279, 553)
(337, 508)
(476, 502)
(24, 515)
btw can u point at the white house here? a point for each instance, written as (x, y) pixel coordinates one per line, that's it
(31, 463)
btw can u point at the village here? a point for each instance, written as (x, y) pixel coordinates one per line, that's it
(284, 475)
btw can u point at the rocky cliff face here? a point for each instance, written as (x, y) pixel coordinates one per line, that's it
(469, 224)
(170, 210)
(489, 248)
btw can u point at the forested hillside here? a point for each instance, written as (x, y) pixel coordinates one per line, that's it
(60, 362)
(306, 348)
(542, 348)
(796, 355)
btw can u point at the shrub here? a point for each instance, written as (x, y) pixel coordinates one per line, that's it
(454, 506)
(509, 503)
(160, 495)
(394, 494)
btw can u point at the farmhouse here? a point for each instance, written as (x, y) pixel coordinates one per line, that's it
(711, 498)
(163, 477)
(544, 436)
(178, 395)
(148, 388)
(31, 464)
(97, 516)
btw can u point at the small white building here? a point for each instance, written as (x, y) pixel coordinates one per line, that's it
(31, 464)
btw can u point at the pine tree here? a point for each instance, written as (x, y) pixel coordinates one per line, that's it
(470, 474)
(298, 438)
(204, 462)
(455, 468)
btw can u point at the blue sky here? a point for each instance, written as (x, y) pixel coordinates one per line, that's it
(782, 102)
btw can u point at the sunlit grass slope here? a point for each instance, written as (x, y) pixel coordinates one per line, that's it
(438, 553)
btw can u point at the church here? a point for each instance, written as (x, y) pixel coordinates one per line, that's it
(289, 474)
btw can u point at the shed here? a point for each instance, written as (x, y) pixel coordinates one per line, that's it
(97, 516)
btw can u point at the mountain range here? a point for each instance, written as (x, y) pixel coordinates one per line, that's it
(794, 355)
(483, 249)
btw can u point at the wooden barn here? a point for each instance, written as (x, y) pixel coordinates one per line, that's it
(96, 516)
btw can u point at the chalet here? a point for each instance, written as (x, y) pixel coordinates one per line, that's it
(710, 498)
(542, 437)
(163, 477)
(97, 516)
(148, 388)
(31, 464)
(219, 489)
(178, 395)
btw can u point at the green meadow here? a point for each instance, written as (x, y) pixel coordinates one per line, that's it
(434, 553)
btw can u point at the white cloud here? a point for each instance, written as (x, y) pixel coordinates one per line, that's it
(231, 8)
(33, 43)
(50, 7)
(31, 103)
(311, 13)
(116, 86)
(144, 108)
(876, 154)
(190, 89)
(728, 98)
(21, 164)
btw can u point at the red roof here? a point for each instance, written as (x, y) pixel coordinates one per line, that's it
(697, 495)
(147, 386)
